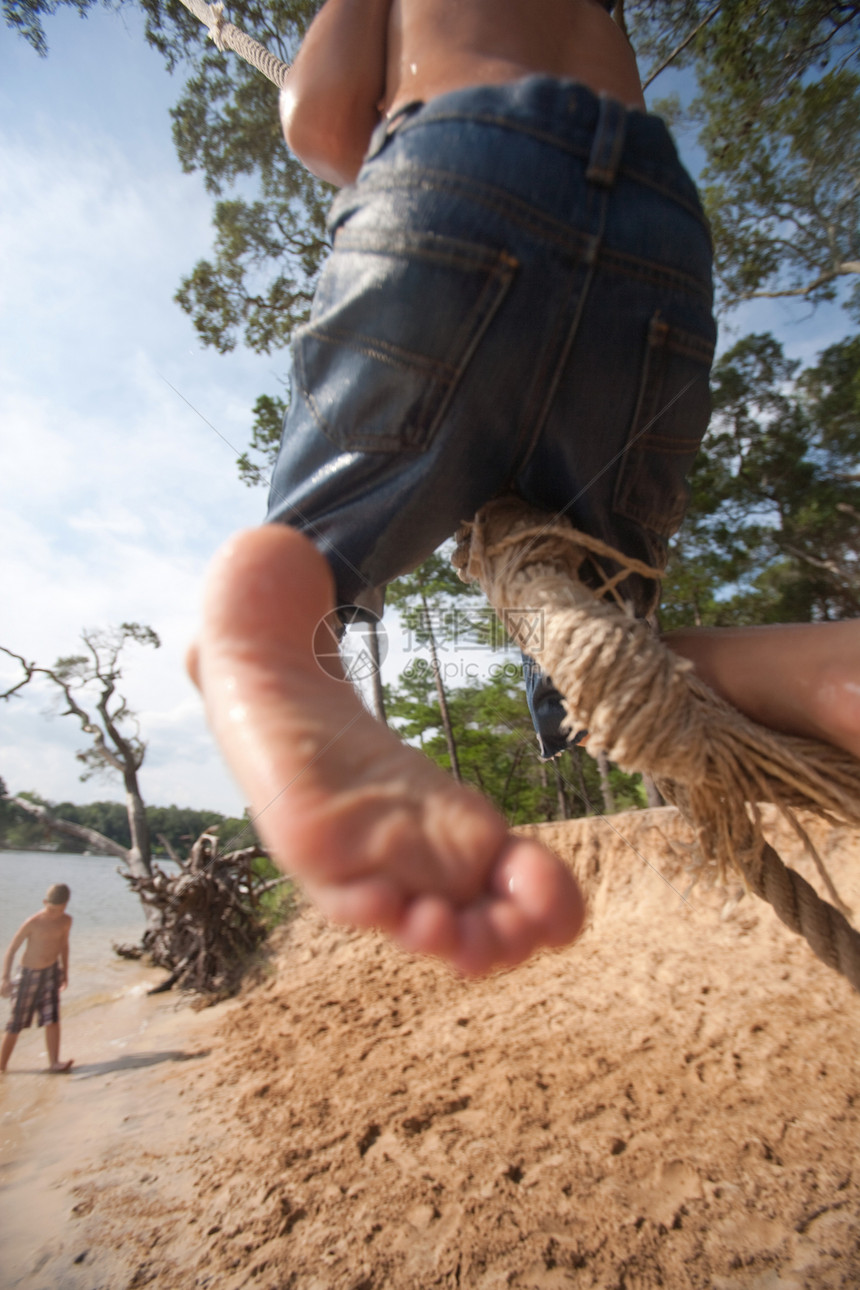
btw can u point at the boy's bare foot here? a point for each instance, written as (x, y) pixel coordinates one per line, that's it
(61, 1068)
(377, 834)
(798, 678)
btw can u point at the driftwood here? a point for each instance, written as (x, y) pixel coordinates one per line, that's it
(209, 916)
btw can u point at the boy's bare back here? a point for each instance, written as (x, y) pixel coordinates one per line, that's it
(47, 935)
(434, 46)
(364, 59)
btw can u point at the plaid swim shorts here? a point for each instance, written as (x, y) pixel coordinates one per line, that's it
(35, 988)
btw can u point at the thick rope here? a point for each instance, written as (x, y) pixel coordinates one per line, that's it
(226, 36)
(648, 710)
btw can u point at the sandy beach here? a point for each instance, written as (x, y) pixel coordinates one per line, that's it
(673, 1102)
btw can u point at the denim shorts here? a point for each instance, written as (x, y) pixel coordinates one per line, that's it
(518, 299)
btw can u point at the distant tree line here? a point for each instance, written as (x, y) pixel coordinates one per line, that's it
(180, 825)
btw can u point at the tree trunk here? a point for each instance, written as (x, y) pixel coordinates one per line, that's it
(140, 853)
(577, 755)
(652, 792)
(209, 917)
(559, 787)
(92, 837)
(605, 786)
(512, 769)
(443, 698)
(376, 681)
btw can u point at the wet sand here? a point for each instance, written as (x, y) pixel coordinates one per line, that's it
(110, 1103)
(673, 1102)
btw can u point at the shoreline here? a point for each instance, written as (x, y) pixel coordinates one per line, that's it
(129, 1053)
(674, 1100)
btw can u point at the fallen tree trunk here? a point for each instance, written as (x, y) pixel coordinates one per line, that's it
(209, 917)
(99, 843)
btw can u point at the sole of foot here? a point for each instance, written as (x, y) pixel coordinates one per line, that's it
(376, 833)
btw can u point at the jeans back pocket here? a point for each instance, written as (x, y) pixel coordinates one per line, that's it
(672, 414)
(396, 320)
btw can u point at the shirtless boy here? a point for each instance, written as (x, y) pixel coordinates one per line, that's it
(44, 973)
(518, 299)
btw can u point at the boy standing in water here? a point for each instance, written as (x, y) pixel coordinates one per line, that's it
(518, 300)
(44, 973)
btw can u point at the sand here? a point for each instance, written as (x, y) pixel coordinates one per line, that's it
(672, 1102)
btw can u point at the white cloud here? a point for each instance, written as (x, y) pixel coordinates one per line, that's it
(114, 491)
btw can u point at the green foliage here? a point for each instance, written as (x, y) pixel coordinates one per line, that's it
(279, 903)
(181, 826)
(25, 17)
(777, 108)
(831, 390)
(269, 218)
(774, 526)
(495, 742)
(782, 190)
(433, 602)
(775, 521)
(109, 818)
(765, 48)
(269, 415)
(18, 830)
(497, 746)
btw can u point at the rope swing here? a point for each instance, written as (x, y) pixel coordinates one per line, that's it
(226, 36)
(641, 703)
(645, 706)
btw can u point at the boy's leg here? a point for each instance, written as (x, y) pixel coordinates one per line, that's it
(10, 1039)
(52, 1043)
(798, 678)
(378, 835)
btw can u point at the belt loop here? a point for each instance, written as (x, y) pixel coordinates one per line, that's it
(608, 142)
(389, 125)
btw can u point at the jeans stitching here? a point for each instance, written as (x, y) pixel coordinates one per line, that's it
(690, 203)
(631, 266)
(443, 376)
(517, 212)
(381, 350)
(535, 223)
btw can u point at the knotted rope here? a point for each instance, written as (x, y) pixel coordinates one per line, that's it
(226, 36)
(647, 708)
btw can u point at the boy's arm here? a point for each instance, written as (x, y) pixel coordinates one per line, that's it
(17, 941)
(329, 105)
(64, 955)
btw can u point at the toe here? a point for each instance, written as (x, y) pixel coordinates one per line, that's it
(542, 887)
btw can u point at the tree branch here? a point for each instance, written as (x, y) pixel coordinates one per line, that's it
(826, 566)
(165, 842)
(29, 669)
(679, 49)
(92, 837)
(843, 270)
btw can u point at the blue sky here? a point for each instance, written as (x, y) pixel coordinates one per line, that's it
(114, 492)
